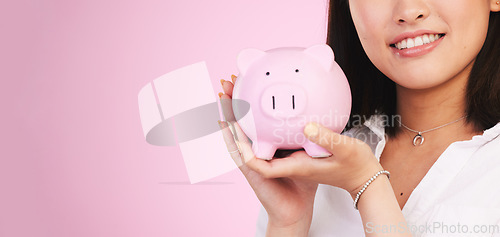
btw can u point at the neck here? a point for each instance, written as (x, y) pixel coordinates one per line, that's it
(424, 109)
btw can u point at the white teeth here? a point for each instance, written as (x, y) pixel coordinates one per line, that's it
(417, 41)
(431, 38)
(426, 39)
(409, 43)
(403, 44)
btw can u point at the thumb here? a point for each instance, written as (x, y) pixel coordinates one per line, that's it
(339, 145)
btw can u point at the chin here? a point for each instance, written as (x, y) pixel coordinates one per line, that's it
(420, 83)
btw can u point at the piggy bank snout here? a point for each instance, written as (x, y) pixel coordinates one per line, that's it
(283, 101)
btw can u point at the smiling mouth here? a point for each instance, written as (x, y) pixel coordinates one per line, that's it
(409, 43)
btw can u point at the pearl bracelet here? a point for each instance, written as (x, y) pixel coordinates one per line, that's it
(367, 184)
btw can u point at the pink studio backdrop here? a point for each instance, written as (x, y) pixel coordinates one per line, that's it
(73, 158)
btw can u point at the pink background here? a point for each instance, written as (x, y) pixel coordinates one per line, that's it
(73, 159)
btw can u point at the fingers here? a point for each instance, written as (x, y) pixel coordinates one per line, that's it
(226, 104)
(225, 99)
(339, 145)
(228, 86)
(242, 141)
(231, 145)
(238, 148)
(298, 165)
(251, 162)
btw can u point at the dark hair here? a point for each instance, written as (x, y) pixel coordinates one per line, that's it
(374, 93)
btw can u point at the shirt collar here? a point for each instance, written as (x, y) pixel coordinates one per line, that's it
(376, 124)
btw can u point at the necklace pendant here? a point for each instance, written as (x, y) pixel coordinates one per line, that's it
(418, 140)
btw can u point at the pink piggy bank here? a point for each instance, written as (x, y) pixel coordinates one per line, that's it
(287, 88)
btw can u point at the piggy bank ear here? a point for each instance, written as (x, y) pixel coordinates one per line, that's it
(323, 53)
(248, 56)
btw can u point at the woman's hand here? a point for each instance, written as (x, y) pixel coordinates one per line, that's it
(352, 162)
(350, 166)
(288, 201)
(286, 187)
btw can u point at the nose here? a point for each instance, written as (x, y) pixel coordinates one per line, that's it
(283, 101)
(410, 11)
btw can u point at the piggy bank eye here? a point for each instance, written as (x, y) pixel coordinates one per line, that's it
(268, 73)
(297, 70)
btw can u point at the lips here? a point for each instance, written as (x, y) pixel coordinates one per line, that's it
(414, 44)
(409, 43)
(415, 34)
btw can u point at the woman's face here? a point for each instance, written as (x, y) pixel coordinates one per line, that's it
(422, 43)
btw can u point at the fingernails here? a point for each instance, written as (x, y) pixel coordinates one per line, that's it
(220, 94)
(222, 82)
(233, 78)
(311, 130)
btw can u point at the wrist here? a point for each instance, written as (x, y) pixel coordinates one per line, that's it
(362, 181)
(370, 181)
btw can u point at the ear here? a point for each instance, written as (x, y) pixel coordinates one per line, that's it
(495, 5)
(323, 53)
(248, 56)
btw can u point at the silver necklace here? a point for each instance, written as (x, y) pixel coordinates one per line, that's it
(420, 137)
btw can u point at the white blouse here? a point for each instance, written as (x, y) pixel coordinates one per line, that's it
(459, 195)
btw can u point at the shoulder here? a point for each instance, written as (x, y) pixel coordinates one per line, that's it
(475, 182)
(487, 147)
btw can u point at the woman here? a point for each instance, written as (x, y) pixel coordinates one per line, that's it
(434, 65)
